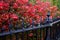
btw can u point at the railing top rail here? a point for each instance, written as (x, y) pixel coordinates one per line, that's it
(27, 29)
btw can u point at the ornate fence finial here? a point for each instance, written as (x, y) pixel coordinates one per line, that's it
(48, 20)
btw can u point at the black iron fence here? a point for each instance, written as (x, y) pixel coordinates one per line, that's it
(49, 30)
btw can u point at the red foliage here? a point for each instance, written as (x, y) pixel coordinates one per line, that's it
(5, 27)
(13, 9)
(22, 1)
(5, 17)
(31, 34)
(14, 17)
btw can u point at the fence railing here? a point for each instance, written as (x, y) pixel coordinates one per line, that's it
(49, 30)
(44, 32)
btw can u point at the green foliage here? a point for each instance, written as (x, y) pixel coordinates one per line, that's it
(54, 2)
(32, 1)
(58, 4)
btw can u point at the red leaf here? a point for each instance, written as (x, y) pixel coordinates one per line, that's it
(14, 17)
(31, 34)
